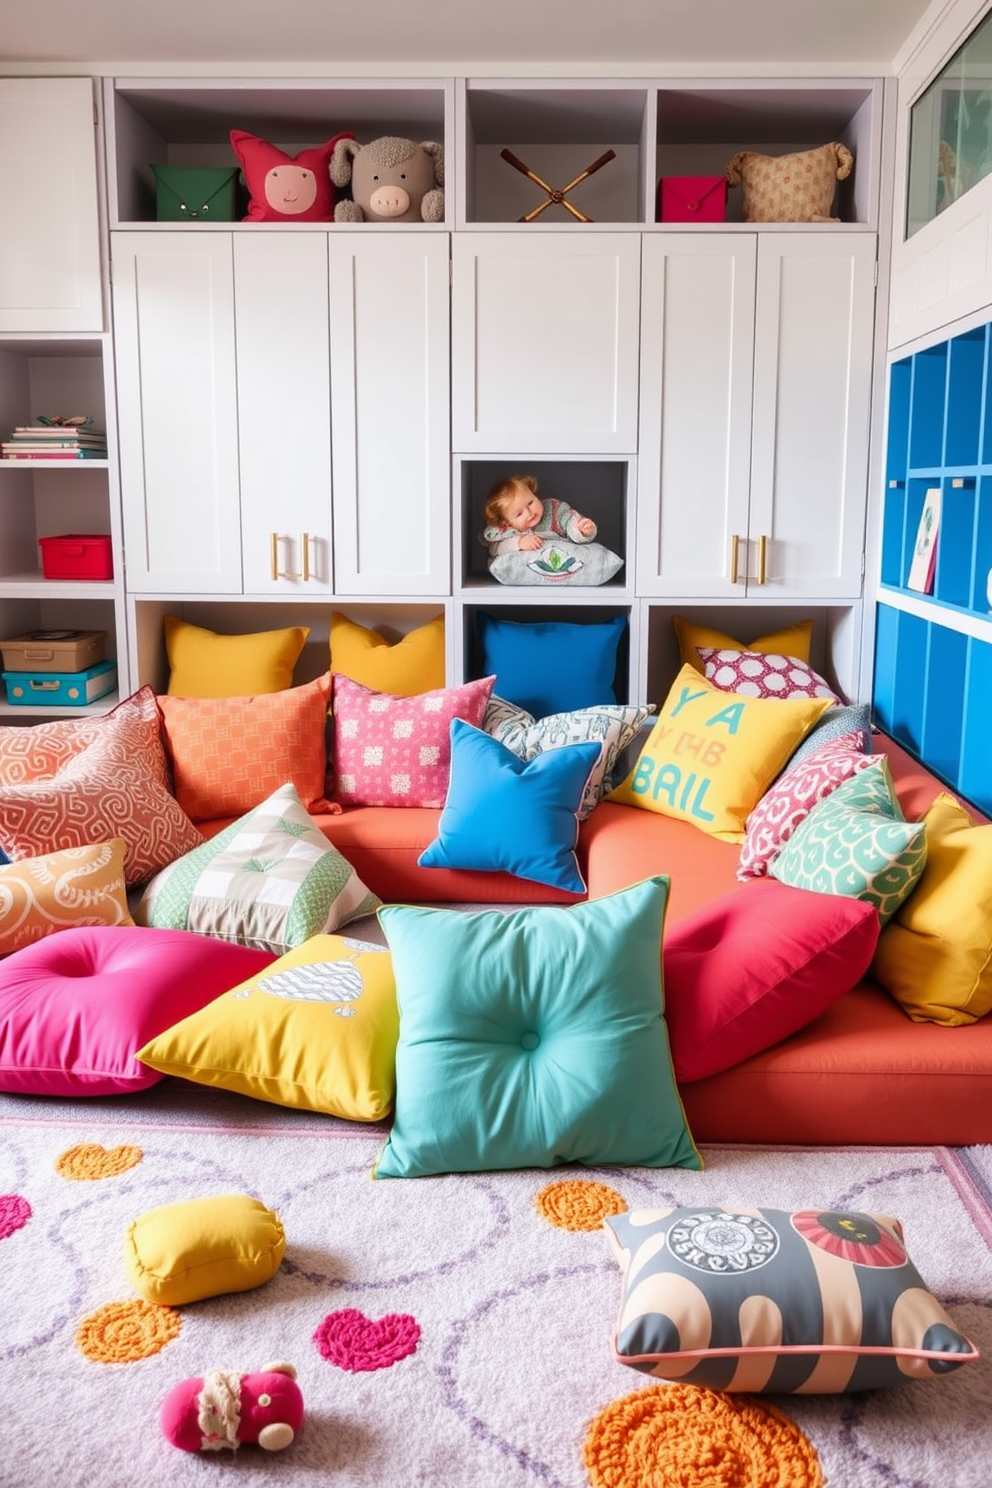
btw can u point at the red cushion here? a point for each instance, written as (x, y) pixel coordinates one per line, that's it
(757, 965)
(286, 188)
(75, 1007)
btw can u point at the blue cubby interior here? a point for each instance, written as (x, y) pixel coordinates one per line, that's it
(956, 541)
(981, 600)
(933, 694)
(928, 408)
(966, 368)
(897, 442)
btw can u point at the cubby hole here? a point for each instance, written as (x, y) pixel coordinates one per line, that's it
(946, 688)
(829, 649)
(901, 647)
(556, 130)
(701, 127)
(236, 617)
(47, 498)
(894, 569)
(916, 495)
(965, 398)
(928, 409)
(955, 541)
(974, 778)
(565, 612)
(180, 122)
(981, 598)
(897, 442)
(599, 489)
(20, 616)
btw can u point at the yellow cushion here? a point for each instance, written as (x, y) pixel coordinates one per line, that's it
(202, 1248)
(935, 954)
(204, 664)
(791, 640)
(317, 1030)
(711, 755)
(414, 664)
(77, 886)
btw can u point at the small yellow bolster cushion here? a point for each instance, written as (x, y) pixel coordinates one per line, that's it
(203, 1248)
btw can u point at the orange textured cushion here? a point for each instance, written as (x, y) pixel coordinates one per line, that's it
(39, 752)
(112, 788)
(229, 754)
(79, 886)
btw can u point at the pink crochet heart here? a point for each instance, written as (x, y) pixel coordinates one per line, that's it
(352, 1341)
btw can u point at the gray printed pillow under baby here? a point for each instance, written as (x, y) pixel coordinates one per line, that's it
(557, 562)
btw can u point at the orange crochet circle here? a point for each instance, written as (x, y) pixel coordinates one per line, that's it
(689, 1437)
(122, 1332)
(90, 1161)
(578, 1203)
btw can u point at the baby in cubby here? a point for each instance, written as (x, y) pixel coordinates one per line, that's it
(518, 521)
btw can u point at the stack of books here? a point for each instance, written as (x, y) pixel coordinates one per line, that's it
(55, 438)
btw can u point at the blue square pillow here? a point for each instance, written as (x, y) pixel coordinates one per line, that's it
(532, 1038)
(516, 816)
(551, 666)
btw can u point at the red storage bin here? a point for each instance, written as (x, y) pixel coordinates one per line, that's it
(77, 555)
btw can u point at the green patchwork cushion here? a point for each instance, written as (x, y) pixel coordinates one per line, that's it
(271, 879)
(532, 1038)
(857, 842)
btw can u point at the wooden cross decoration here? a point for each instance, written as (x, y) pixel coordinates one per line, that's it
(556, 195)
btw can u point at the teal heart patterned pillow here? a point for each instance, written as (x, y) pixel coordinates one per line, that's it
(858, 843)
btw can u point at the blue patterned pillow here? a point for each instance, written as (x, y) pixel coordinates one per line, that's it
(846, 718)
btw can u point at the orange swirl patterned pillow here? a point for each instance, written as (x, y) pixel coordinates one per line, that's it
(230, 754)
(111, 788)
(79, 886)
(39, 753)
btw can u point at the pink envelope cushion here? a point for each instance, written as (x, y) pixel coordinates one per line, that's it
(754, 966)
(75, 1007)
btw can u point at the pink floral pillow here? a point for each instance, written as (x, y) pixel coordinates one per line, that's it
(757, 674)
(793, 796)
(396, 751)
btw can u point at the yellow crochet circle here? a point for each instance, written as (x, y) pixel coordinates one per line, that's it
(90, 1161)
(123, 1332)
(578, 1203)
(684, 1436)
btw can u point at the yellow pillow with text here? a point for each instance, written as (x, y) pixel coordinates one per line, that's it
(935, 954)
(712, 755)
(403, 668)
(790, 640)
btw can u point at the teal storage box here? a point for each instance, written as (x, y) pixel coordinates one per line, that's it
(195, 193)
(60, 689)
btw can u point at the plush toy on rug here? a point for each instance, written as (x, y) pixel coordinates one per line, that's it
(391, 179)
(226, 1408)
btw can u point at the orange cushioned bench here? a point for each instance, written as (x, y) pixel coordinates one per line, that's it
(863, 1072)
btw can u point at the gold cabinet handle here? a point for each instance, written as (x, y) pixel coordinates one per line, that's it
(763, 558)
(306, 557)
(274, 555)
(735, 552)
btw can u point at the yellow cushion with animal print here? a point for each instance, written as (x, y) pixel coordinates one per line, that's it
(317, 1029)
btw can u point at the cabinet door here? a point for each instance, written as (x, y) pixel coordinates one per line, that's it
(390, 391)
(50, 243)
(178, 412)
(697, 344)
(544, 351)
(814, 331)
(284, 412)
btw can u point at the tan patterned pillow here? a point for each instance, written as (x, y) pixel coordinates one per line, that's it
(80, 886)
(790, 188)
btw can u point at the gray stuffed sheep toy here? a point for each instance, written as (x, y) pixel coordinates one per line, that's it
(391, 179)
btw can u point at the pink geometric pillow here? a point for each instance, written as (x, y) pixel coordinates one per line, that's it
(39, 753)
(793, 796)
(757, 674)
(396, 751)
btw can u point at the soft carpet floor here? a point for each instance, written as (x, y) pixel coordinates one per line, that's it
(496, 1357)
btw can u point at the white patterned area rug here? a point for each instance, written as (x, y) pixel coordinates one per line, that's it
(446, 1331)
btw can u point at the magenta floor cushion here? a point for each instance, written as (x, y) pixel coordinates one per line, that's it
(76, 1006)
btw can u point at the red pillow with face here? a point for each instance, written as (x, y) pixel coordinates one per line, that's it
(286, 188)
